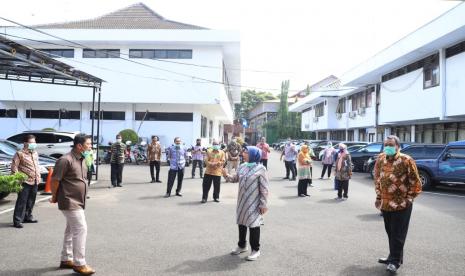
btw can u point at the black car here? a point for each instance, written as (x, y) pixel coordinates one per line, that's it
(416, 151)
(360, 156)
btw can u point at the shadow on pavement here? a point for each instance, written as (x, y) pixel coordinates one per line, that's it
(216, 264)
(190, 203)
(30, 271)
(357, 270)
(370, 217)
(328, 190)
(6, 225)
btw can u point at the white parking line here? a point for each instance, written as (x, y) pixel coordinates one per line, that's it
(443, 194)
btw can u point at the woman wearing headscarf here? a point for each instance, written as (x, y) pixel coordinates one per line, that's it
(343, 172)
(327, 159)
(251, 200)
(305, 170)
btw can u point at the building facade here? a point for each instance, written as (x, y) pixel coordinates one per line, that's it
(414, 89)
(162, 78)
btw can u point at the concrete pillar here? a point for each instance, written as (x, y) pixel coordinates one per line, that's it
(412, 133)
(328, 135)
(442, 82)
(347, 134)
(387, 132)
(356, 134)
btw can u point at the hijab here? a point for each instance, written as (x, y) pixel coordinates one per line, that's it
(255, 154)
(304, 151)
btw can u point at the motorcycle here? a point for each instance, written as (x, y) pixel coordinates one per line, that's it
(139, 154)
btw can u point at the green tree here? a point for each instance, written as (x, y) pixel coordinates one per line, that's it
(129, 135)
(249, 99)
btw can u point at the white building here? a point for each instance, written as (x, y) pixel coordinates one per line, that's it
(413, 89)
(161, 77)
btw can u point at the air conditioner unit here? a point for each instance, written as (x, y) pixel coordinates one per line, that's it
(307, 126)
(352, 114)
(338, 116)
(315, 120)
(361, 111)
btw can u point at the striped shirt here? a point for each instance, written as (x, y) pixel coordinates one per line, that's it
(117, 153)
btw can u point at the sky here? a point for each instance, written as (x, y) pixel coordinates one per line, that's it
(301, 41)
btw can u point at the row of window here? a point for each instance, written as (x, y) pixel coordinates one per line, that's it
(430, 67)
(105, 115)
(115, 53)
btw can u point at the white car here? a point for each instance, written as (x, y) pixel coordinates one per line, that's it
(51, 143)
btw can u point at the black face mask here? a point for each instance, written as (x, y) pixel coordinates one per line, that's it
(198, 143)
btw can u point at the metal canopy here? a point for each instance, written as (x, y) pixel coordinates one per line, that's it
(21, 63)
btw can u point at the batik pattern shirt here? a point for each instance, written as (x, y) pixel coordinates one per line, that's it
(27, 162)
(233, 151)
(154, 151)
(117, 152)
(397, 181)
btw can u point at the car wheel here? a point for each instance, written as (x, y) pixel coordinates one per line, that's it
(425, 178)
(56, 155)
(3, 195)
(372, 171)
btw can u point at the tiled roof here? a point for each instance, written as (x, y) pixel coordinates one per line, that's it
(137, 16)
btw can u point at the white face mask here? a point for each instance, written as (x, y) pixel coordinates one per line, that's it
(119, 140)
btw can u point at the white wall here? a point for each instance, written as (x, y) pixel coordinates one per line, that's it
(455, 85)
(412, 103)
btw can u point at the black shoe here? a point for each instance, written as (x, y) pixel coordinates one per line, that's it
(153, 181)
(18, 225)
(167, 195)
(285, 177)
(203, 201)
(30, 221)
(383, 260)
(216, 200)
(158, 181)
(201, 176)
(302, 195)
(392, 268)
(293, 179)
(119, 185)
(193, 176)
(307, 195)
(178, 194)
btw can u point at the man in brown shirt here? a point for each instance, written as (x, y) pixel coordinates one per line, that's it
(154, 154)
(27, 162)
(69, 189)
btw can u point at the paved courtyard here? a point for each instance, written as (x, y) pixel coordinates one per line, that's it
(133, 230)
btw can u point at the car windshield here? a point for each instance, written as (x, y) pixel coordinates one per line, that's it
(7, 149)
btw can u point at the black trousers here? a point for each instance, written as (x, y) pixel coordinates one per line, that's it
(25, 203)
(290, 167)
(396, 224)
(196, 163)
(116, 174)
(171, 177)
(207, 183)
(302, 186)
(264, 162)
(254, 235)
(155, 165)
(342, 186)
(326, 166)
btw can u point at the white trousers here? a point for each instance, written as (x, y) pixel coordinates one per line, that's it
(74, 243)
(232, 165)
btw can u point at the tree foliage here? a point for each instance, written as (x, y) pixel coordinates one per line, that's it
(249, 99)
(12, 183)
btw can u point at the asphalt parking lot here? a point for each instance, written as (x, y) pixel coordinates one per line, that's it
(133, 230)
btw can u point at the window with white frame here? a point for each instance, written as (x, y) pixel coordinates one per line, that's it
(320, 109)
(431, 72)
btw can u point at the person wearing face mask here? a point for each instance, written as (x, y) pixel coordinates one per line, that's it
(117, 162)
(214, 160)
(343, 172)
(233, 154)
(69, 189)
(397, 184)
(154, 156)
(265, 148)
(327, 160)
(252, 200)
(26, 161)
(197, 158)
(289, 153)
(305, 170)
(177, 154)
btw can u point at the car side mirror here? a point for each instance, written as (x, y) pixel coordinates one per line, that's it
(446, 156)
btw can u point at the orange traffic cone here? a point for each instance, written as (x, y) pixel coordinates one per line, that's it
(48, 183)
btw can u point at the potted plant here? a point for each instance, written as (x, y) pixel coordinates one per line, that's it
(11, 183)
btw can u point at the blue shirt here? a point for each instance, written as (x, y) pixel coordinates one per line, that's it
(290, 153)
(177, 157)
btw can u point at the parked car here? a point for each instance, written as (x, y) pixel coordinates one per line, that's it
(416, 151)
(360, 156)
(4, 170)
(50, 143)
(351, 146)
(447, 168)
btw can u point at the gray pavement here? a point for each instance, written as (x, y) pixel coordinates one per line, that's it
(133, 230)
